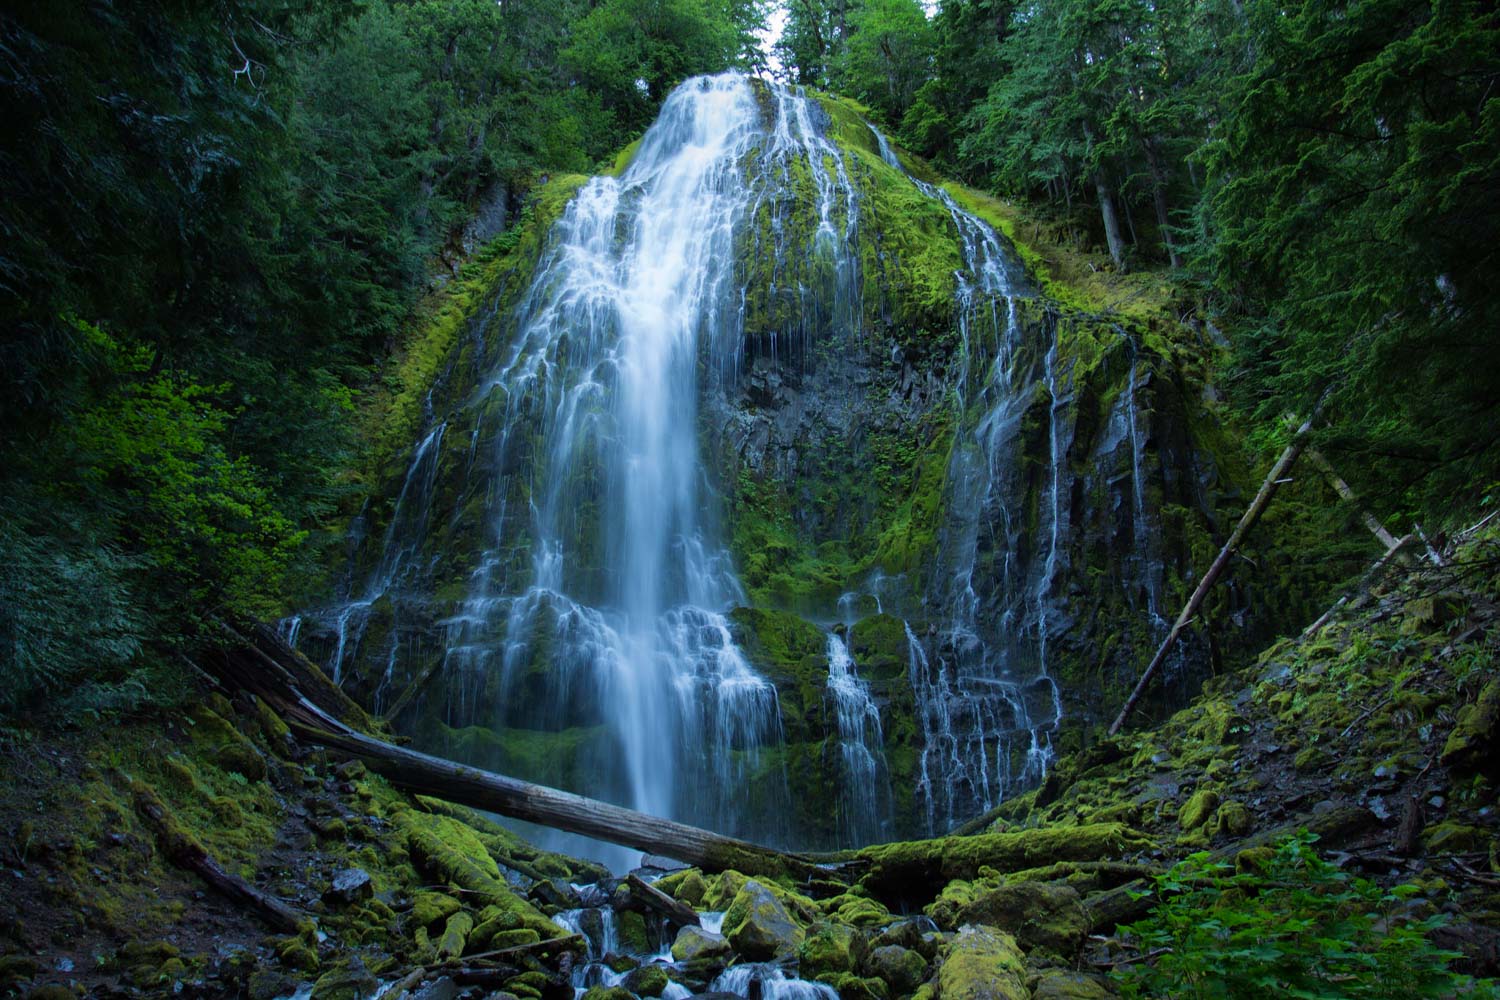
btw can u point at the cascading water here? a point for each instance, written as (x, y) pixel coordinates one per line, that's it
(984, 697)
(864, 778)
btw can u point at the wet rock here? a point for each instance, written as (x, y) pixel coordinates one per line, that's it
(608, 993)
(831, 947)
(443, 988)
(1062, 984)
(983, 964)
(1471, 746)
(759, 926)
(903, 968)
(352, 885)
(696, 944)
(267, 984)
(660, 863)
(1039, 914)
(647, 981)
(1197, 810)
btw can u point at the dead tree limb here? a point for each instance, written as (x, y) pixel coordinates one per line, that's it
(185, 852)
(1252, 514)
(1344, 490)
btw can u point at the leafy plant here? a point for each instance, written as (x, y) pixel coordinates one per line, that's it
(1292, 926)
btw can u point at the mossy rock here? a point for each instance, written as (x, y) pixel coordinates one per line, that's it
(831, 947)
(429, 907)
(1453, 837)
(852, 987)
(1474, 744)
(634, 937)
(647, 981)
(983, 963)
(608, 993)
(903, 968)
(1233, 819)
(1198, 809)
(685, 886)
(346, 981)
(759, 926)
(694, 944)
(1064, 984)
(1039, 914)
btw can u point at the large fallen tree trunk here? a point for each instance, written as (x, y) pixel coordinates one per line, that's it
(263, 668)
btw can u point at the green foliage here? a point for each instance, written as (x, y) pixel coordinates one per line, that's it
(1295, 926)
(1351, 223)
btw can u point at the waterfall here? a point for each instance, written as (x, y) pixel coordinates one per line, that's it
(864, 778)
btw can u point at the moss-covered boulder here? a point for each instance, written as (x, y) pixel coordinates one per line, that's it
(759, 926)
(831, 947)
(983, 963)
(346, 981)
(647, 981)
(1039, 914)
(1474, 744)
(694, 944)
(903, 968)
(1064, 984)
(1198, 809)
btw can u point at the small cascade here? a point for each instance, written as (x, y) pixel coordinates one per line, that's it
(345, 623)
(769, 982)
(864, 812)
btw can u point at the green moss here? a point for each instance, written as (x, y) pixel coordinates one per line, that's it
(983, 964)
(1198, 809)
(831, 947)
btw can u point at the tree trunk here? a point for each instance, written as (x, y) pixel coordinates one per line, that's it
(1111, 220)
(1159, 199)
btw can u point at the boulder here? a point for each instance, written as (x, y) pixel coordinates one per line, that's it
(1063, 984)
(831, 947)
(349, 886)
(983, 963)
(1197, 810)
(903, 968)
(1039, 914)
(759, 926)
(695, 943)
(1471, 746)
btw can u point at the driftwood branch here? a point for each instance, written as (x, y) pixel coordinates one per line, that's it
(1274, 479)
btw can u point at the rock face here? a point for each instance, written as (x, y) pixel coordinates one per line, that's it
(991, 495)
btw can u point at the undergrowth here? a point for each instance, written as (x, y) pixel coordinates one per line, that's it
(1289, 925)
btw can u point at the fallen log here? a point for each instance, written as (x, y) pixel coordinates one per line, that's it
(1273, 480)
(296, 690)
(417, 772)
(185, 852)
(649, 895)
